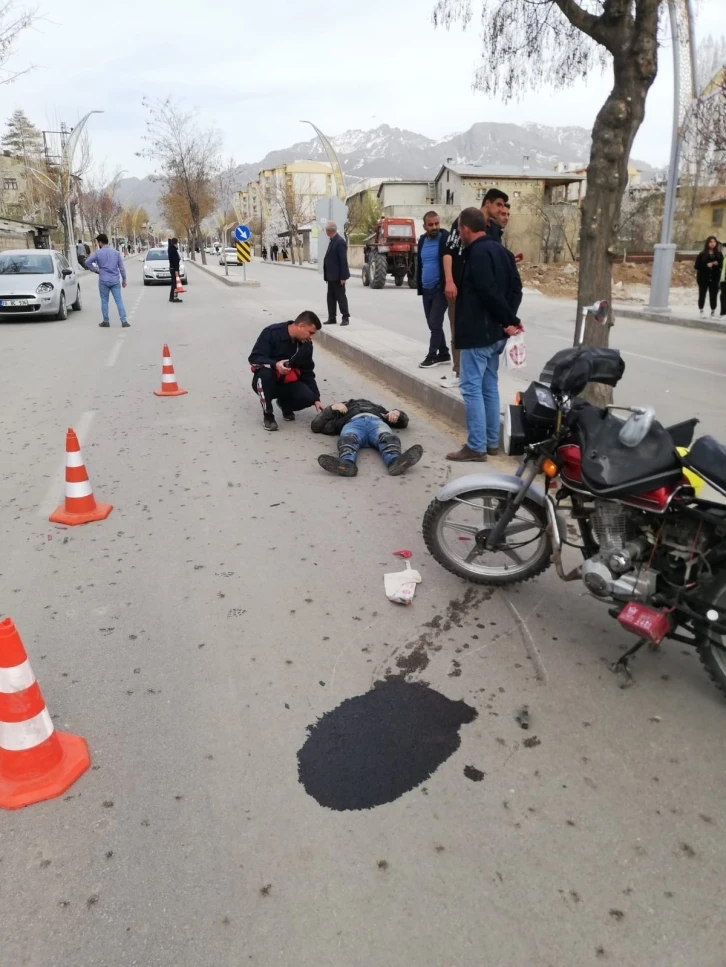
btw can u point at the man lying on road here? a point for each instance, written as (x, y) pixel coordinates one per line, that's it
(283, 368)
(361, 423)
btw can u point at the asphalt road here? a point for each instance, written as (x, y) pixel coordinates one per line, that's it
(232, 599)
(681, 372)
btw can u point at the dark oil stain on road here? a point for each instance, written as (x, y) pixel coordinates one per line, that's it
(373, 748)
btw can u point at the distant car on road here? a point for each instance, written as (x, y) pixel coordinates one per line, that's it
(37, 283)
(156, 267)
(229, 255)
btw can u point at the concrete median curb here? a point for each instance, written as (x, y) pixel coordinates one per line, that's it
(668, 319)
(236, 283)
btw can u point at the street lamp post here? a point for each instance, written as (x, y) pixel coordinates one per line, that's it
(684, 74)
(68, 152)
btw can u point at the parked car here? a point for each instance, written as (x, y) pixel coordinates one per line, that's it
(37, 283)
(229, 255)
(156, 267)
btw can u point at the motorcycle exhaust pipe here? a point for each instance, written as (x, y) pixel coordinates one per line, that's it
(555, 534)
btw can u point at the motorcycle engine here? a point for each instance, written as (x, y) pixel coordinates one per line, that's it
(613, 573)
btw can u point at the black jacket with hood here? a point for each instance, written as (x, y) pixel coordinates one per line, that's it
(489, 295)
(331, 422)
(705, 275)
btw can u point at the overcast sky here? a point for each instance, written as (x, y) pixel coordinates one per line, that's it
(255, 70)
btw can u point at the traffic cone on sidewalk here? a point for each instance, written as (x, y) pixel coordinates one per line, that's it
(80, 506)
(179, 287)
(169, 385)
(36, 761)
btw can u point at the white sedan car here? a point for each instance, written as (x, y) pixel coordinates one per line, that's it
(156, 268)
(229, 255)
(37, 283)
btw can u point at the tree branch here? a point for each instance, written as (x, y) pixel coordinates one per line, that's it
(586, 22)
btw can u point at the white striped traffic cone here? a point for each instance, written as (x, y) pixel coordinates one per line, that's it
(36, 761)
(169, 385)
(80, 506)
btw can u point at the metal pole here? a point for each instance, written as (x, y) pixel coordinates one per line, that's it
(244, 271)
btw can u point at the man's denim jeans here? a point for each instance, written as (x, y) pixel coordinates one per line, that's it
(367, 431)
(104, 288)
(480, 390)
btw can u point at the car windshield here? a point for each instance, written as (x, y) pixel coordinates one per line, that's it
(32, 263)
(157, 255)
(399, 231)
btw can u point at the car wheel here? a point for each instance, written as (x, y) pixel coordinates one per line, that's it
(62, 313)
(78, 304)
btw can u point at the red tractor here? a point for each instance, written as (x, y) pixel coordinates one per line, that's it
(391, 250)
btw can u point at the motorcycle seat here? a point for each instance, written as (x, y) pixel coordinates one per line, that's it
(707, 458)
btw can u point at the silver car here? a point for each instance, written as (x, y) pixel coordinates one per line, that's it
(156, 267)
(37, 283)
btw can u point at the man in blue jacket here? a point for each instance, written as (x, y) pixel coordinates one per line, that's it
(336, 273)
(430, 278)
(488, 298)
(109, 266)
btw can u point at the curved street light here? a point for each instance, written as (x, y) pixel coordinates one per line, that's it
(68, 152)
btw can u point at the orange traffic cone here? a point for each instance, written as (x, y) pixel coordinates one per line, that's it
(169, 385)
(80, 506)
(179, 287)
(36, 762)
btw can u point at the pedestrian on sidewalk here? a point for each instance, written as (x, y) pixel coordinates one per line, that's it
(283, 368)
(709, 265)
(430, 284)
(81, 253)
(361, 423)
(489, 295)
(336, 273)
(723, 288)
(174, 264)
(107, 263)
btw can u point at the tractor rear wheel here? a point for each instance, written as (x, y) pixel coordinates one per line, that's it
(378, 270)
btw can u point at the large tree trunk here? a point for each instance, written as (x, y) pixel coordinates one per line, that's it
(617, 123)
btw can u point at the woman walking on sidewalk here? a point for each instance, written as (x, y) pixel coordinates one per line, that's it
(708, 273)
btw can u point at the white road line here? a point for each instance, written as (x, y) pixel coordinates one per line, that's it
(651, 359)
(113, 355)
(54, 494)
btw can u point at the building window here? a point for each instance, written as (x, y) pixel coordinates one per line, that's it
(717, 217)
(10, 184)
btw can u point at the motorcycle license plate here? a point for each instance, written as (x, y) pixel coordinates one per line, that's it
(14, 302)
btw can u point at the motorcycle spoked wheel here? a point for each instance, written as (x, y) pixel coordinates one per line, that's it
(712, 657)
(452, 526)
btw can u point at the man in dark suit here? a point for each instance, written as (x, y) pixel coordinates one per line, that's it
(174, 263)
(336, 273)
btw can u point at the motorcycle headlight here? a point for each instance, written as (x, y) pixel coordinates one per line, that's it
(45, 287)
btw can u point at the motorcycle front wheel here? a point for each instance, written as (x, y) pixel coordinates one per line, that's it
(713, 657)
(455, 531)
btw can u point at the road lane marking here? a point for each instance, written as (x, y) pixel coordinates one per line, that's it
(652, 359)
(54, 495)
(113, 355)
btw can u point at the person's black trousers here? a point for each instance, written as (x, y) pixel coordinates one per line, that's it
(712, 289)
(435, 305)
(290, 396)
(723, 298)
(337, 297)
(172, 291)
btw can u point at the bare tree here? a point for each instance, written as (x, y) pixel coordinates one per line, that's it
(292, 206)
(12, 23)
(556, 226)
(188, 157)
(559, 42)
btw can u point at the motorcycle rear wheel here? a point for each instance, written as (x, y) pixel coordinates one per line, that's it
(450, 524)
(712, 657)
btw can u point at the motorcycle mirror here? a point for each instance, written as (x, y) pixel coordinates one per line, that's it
(599, 312)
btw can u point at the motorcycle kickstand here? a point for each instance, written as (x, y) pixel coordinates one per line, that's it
(623, 663)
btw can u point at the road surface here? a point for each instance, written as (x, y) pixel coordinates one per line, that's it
(232, 599)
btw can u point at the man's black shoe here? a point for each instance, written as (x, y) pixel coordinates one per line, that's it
(429, 362)
(345, 322)
(269, 422)
(330, 322)
(344, 468)
(288, 415)
(104, 325)
(176, 300)
(406, 460)
(444, 357)
(125, 325)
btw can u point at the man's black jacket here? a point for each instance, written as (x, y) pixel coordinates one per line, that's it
(330, 422)
(274, 344)
(443, 238)
(335, 262)
(173, 258)
(489, 296)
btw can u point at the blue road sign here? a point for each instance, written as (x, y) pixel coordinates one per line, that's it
(242, 233)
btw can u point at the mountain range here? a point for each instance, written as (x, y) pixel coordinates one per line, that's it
(397, 153)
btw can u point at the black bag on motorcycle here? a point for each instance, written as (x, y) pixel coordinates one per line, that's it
(573, 369)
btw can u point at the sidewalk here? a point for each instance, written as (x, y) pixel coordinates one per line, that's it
(235, 273)
(688, 318)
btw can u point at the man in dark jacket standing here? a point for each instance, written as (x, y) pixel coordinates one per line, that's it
(174, 263)
(430, 279)
(489, 295)
(336, 273)
(283, 368)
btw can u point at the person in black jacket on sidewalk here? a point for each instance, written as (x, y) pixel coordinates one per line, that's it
(174, 263)
(283, 368)
(336, 273)
(708, 273)
(489, 295)
(361, 423)
(430, 284)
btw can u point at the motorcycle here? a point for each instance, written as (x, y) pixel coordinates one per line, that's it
(652, 548)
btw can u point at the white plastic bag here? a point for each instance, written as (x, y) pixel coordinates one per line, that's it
(400, 586)
(515, 353)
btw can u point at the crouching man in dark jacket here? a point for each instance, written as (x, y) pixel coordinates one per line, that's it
(361, 423)
(283, 368)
